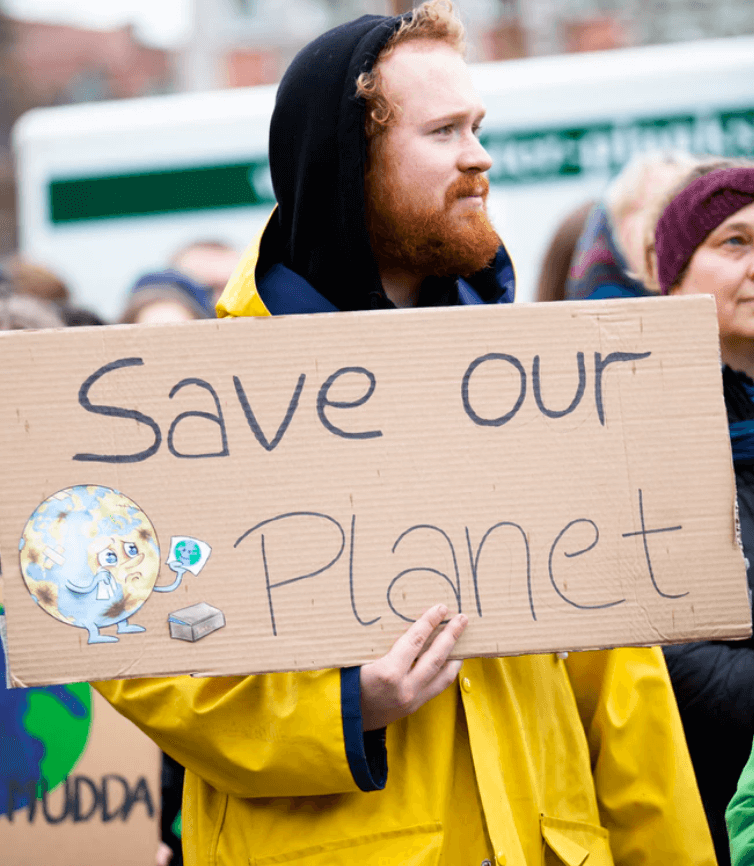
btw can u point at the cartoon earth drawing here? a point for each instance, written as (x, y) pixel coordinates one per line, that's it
(188, 552)
(43, 733)
(90, 558)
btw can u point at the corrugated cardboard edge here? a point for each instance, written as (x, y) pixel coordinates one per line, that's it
(4, 642)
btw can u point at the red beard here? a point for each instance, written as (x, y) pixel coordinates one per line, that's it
(424, 240)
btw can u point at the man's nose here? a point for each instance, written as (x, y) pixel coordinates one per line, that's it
(473, 155)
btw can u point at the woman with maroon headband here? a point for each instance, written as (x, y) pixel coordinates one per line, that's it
(704, 244)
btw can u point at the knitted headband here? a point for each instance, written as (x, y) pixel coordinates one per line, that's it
(695, 212)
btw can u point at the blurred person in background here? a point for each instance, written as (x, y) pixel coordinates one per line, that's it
(170, 850)
(35, 280)
(31, 278)
(75, 317)
(556, 262)
(209, 262)
(608, 261)
(167, 296)
(704, 244)
(20, 313)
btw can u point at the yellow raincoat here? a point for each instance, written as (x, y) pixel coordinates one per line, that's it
(527, 761)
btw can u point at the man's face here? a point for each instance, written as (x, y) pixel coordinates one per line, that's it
(426, 191)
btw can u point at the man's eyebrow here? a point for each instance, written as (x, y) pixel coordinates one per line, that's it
(457, 116)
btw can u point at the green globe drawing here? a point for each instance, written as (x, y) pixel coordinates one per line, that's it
(188, 552)
(43, 733)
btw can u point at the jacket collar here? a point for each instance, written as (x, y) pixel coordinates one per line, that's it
(281, 291)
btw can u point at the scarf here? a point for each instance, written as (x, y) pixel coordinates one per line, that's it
(742, 432)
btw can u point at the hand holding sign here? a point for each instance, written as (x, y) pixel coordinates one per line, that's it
(408, 676)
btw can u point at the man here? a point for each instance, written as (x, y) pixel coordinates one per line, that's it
(381, 202)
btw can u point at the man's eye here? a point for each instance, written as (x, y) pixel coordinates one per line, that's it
(445, 130)
(477, 130)
(107, 557)
(131, 549)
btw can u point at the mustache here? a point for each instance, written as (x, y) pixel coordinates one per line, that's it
(468, 184)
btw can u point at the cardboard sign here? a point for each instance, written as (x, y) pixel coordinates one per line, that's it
(75, 777)
(289, 493)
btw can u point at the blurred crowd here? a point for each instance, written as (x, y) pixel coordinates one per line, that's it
(33, 296)
(670, 224)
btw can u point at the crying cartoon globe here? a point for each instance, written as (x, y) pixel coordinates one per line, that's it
(90, 558)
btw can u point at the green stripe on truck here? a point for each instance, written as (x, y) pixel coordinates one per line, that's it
(518, 157)
(160, 192)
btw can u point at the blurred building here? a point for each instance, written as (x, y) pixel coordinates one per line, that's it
(237, 43)
(53, 64)
(245, 42)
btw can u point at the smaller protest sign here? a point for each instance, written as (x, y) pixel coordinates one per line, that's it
(75, 777)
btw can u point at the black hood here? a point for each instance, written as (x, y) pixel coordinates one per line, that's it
(318, 158)
(318, 154)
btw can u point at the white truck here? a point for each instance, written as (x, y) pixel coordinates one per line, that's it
(108, 191)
